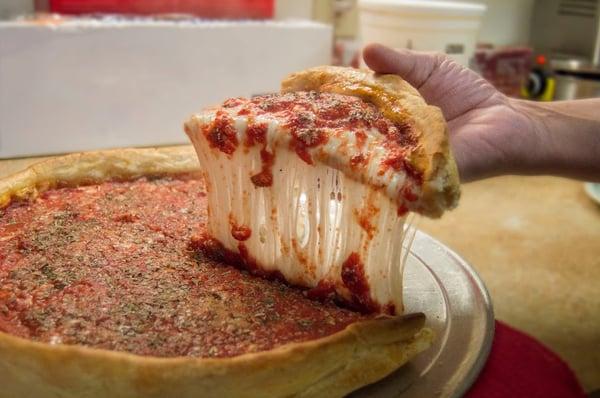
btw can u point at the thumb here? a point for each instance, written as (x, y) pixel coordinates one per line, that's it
(441, 81)
(414, 67)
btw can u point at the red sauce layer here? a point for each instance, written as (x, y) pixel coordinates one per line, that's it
(354, 278)
(265, 177)
(111, 266)
(221, 133)
(312, 117)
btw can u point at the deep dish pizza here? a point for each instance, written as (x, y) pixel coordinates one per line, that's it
(120, 277)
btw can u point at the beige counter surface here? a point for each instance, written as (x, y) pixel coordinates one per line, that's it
(535, 241)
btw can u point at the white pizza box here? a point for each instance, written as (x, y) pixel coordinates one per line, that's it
(90, 84)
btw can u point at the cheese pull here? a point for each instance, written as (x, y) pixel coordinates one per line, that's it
(316, 187)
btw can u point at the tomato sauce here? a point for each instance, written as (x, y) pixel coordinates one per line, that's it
(221, 133)
(311, 117)
(354, 278)
(117, 266)
(265, 177)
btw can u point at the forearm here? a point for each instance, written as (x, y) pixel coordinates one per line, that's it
(568, 137)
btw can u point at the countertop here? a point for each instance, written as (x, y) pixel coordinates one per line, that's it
(535, 241)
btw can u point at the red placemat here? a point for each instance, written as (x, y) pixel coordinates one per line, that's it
(521, 367)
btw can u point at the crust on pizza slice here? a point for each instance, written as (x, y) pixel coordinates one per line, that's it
(402, 104)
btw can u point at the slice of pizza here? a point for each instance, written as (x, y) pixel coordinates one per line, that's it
(315, 184)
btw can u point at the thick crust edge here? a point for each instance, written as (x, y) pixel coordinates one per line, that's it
(399, 102)
(332, 366)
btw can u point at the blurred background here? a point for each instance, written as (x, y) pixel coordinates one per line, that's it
(91, 74)
(107, 73)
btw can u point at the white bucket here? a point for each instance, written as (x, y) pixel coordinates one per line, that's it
(443, 26)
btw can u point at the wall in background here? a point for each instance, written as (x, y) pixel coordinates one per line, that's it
(506, 22)
(294, 9)
(13, 8)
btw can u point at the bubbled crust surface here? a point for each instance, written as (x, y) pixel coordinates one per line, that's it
(332, 366)
(401, 103)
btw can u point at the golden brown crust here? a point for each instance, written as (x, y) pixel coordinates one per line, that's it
(399, 102)
(81, 168)
(331, 366)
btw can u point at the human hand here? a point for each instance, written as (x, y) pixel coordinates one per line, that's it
(490, 134)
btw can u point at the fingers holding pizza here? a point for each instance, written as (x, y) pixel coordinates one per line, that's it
(492, 134)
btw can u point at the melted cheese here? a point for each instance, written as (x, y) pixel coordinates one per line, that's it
(313, 217)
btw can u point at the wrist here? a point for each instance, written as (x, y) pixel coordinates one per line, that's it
(566, 138)
(523, 139)
(537, 125)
